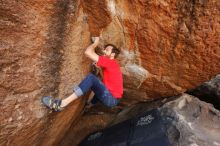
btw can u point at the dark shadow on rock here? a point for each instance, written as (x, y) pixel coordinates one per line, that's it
(52, 54)
(208, 92)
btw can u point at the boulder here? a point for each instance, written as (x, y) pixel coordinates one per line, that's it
(191, 122)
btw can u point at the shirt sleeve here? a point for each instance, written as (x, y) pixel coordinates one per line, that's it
(103, 62)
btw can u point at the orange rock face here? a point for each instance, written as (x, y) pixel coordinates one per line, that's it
(167, 48)
(39, 57)
(178, 43)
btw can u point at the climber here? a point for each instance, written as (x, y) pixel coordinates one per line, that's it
(108, 92)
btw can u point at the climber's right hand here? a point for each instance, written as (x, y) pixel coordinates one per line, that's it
(95, 40)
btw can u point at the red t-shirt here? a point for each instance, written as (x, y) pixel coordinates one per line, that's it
(112, 75)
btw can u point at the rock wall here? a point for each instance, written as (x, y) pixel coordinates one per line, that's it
(167, 48)
(173, 40)
(41, 47)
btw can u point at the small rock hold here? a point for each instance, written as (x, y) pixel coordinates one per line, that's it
(10, 119)
(20, 112)
(182, 103)
(20, 117)
(17, 106)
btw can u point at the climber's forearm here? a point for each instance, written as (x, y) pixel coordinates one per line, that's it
(90, 50)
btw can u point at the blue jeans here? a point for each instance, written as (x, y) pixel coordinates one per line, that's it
(102, 94)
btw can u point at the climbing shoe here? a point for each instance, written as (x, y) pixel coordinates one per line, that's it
(52, 103)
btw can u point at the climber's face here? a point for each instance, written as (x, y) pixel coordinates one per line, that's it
(108, 52)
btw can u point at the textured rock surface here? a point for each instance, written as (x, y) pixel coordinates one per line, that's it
(191, 122)
(173, 40)
(167, 48)
(41, 49)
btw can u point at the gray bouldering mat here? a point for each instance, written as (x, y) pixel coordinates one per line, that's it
(144, 130)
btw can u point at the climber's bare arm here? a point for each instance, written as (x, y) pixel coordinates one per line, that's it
(90, 50)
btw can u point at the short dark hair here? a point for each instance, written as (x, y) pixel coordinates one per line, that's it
(114, 49)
